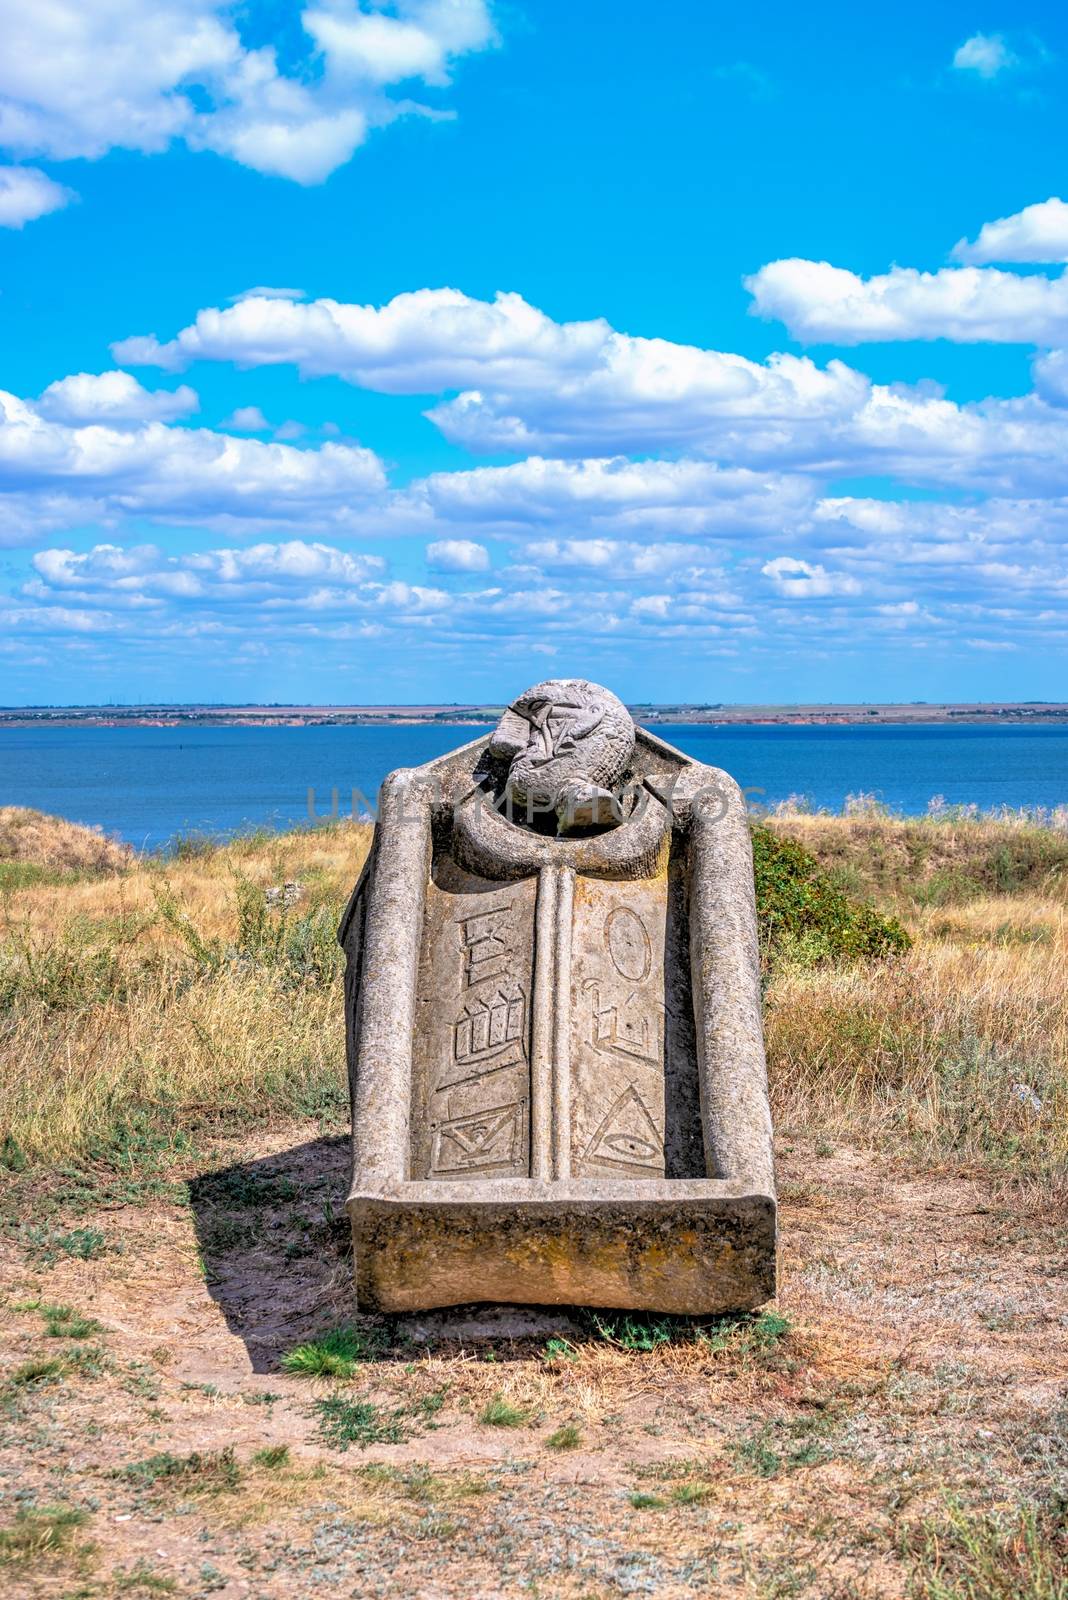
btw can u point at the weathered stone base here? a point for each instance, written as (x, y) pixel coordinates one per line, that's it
(692, 1248)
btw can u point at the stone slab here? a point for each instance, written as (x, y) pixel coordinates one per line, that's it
(691, 1252)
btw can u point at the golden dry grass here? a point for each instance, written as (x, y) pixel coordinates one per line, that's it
(170, 998)
(909, 862)
(57, 845)
(958, 1048)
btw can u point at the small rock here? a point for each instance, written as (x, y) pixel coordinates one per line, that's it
(281, 896)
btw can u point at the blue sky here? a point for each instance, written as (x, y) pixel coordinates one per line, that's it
(717, 353)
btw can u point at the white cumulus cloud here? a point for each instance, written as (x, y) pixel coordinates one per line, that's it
(78, 80)
(152, 469)
(680, 497)
(418, 343)
(420, 41)
(540, 389)
(143, 574)
(819, 303)
(113, 397)
(457, 555)
(265, 292)
(1038, 233)
(899, 575)
(985, 54)
(247, 419)
(657, 487)
(801, 580)
(1051, 377)
(528, 384)
(615, 558)
(27, 193)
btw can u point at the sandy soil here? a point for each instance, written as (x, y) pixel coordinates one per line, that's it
(926, 1355)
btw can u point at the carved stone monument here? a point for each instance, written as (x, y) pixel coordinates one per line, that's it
(553, 1021)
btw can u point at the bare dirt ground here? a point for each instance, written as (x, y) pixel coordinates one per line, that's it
(919, 1350)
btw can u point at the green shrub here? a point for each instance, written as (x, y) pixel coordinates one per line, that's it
(66, 972)
(302, 949)
(805, 917)
(638, 1331)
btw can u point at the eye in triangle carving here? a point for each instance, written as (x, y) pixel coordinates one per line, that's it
(485, 1141)
(628, 1139)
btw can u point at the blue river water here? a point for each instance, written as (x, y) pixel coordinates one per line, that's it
(150, 784)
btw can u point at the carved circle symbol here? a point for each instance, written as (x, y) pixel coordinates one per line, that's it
(628, 944)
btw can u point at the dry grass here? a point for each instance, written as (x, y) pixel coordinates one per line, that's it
(809, 1452)
(54, 845)
(957, 1048)
(944, 859)
(137, 1008)
(1021, 1556)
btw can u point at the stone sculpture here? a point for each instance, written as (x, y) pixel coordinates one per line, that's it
(553, 1021)
(566, 744)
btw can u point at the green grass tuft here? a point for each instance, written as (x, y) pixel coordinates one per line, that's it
(692, 1494)
(335, 1354)
(39, 1531)
(40, 1369)
(63, 1322)
(345, 1422)
(639, 1331)
(783, 1446)
(141, 1578)
(210, 1471)
(1022, 1555)
(567, 1437)
(47, 1245)
(499, 1414)
(746, 1336)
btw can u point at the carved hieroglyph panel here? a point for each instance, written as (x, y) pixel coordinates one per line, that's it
(617, 1028)
(471, 1056)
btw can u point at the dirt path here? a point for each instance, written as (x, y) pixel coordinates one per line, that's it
(927, 1351)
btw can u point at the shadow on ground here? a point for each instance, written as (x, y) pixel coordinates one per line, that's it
(274, 1239)
(275, 1242)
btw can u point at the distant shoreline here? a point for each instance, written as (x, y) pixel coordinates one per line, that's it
(1032, 712)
